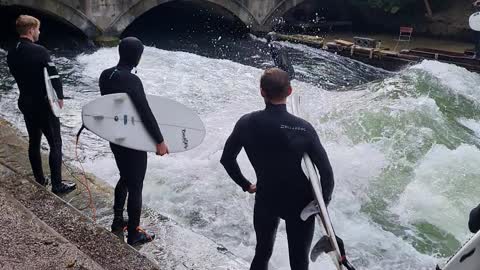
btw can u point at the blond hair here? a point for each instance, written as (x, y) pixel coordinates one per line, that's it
(25, 22)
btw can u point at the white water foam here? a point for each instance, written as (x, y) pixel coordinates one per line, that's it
(193, 188)
(368, 132)
(458, 79)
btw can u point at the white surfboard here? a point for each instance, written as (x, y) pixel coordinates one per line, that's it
(474, 21)
(467, 258)
(51, 94)
(114, 118)
(319, 208)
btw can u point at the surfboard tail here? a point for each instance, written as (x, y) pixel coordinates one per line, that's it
(330, 243)
(322, 246)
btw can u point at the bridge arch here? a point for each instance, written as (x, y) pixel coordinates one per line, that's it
(279, 10)
(57, 9)
(126, 18)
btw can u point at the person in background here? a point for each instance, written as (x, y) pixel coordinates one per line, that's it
(279, 55)
(476, 5)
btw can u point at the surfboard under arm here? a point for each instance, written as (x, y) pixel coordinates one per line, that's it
(115, 118)
(323, 212)
(51, 94)
(328, 243)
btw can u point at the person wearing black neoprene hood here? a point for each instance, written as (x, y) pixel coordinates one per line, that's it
(26, 62)
(275, 142)
(131, 163)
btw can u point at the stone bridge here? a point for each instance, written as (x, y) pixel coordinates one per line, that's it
(97, 18)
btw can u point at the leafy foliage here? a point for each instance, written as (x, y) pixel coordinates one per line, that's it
(389, 6)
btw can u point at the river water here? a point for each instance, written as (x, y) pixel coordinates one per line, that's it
(403, 146)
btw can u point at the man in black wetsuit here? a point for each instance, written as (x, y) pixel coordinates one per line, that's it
(279, 56)
(26, 62)
(275, 142)
(131, 163)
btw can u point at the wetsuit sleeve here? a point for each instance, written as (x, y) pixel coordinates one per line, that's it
(139, 99)
(53, 73)
(229, 157)
(319, 157)
(101, 82)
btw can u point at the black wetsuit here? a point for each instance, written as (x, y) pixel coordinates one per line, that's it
(477, 39)
(26, 62)
(474, 220)
(132, 164)
(275, 142)
(281, 60)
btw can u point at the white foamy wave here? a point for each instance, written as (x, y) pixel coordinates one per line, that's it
(444, 189)
(458, 79)
(364, 132)
(254, 37)
(186, 77)
(472, 124)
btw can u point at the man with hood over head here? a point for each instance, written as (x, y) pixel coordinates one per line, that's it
(131, 163)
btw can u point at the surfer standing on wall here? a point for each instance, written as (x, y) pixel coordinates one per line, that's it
(26, 62)
(275, 142)
(279, 56)
(131, 163)
(476, 5)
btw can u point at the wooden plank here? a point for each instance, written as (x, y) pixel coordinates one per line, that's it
(343, 42)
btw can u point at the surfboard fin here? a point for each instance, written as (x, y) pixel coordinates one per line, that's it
(322, 246)
(310, 210)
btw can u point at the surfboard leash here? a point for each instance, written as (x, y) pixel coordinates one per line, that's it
(80, 132)
(91, 203)
(343, 259)
(72, 174)
(84, 176)
(346, 263)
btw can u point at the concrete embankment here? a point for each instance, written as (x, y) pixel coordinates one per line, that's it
(39, 230)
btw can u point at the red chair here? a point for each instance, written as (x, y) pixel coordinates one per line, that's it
(404, 36)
